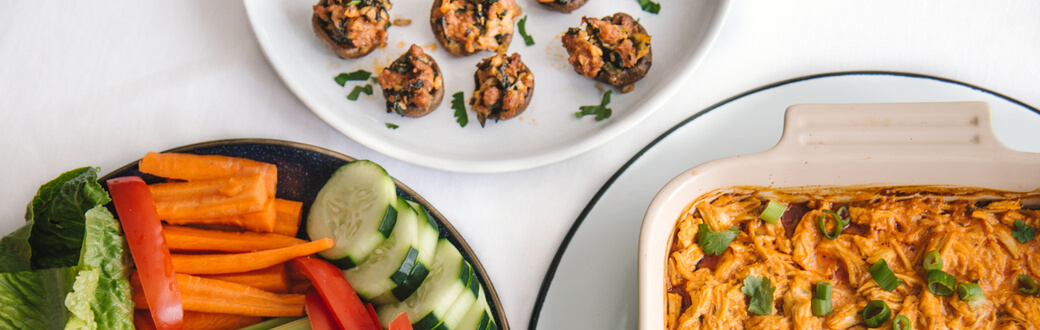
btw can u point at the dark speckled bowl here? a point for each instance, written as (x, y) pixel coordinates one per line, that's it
(302, 171)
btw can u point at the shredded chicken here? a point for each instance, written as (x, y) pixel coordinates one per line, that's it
(972, 231)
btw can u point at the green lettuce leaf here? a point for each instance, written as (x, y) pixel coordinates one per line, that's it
(35, 299)
(58, 215)
(79, 300)
(15, 250)
(103, 249)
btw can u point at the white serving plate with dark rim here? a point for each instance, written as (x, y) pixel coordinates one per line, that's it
(547, 132)
(302, 170)
(842, 145)
(604, 240)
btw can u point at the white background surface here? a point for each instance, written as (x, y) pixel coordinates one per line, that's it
(101, 83)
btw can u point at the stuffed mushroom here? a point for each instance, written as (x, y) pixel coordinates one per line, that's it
(464, 27)
(351, 28)
(563, 6)
(504, 88)
(412, 85)
(614, 49)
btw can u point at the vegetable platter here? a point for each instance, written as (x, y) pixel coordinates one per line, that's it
(554, 126)
(260, 234)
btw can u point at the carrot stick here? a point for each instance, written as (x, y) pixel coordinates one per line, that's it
(244, 262)
(287, 214)
(180, 238)
(209, 198)
(274, 278)
(191, 167)
(215, 296)
(200, 321)
(262, 221)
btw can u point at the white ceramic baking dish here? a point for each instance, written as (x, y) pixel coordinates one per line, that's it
(893, 144)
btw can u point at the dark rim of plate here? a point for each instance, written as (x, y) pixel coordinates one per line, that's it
(551, 272)
(243, 146)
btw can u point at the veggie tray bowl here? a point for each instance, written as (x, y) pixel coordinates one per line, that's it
(549, 130)
(939, 225)
(252, 230)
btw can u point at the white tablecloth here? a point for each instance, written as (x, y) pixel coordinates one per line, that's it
(102, 82)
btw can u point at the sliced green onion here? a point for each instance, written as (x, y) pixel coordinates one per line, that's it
(823, 291)
(774, 210)
(876, 313)
(821, 307)
(901, 323)
(883, 276)
(970, 292)
(1026, 285)
(940, 283)
(821, 221)
(932, 261)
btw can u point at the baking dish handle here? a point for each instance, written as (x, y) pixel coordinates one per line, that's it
(889, 129)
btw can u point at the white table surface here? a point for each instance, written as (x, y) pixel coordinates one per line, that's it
(102, 82)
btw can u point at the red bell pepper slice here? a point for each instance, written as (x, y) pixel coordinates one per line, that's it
(372, 312)
(321, 318)
(336, 292)
(401, 322)
(143, 230)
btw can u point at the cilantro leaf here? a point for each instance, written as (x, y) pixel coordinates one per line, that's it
(358, 75)
(760, 289)
(650, 6)
(392, 126)
(521, 25)
(1023, 232)
(354, 94)
(715, 242)
(601, 111)
(458, 103)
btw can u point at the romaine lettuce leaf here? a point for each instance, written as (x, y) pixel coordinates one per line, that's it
(103, 249)
(79, 300)
(57, 213)
(35, 299)
(15, 250)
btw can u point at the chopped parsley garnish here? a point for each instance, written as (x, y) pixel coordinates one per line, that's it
(760, 289)
(352, 3)
(343, 78)
(1023, 232)
(601, 111)
(459, 105)
(354, 94)
(521, 25)
(392, 126)
(715, 242)
(650, 6)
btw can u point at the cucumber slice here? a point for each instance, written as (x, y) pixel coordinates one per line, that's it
(356, 210)
(391, 262)
(448, 277)
(428, 234)
(479, 316)
(462, 305)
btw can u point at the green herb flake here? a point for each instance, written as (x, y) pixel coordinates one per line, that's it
(359, 75)
(392, 126)
(715, 242)
(354, 94)
(458, 103)
(1023, 232)
(521, 25)
(601, 111)
(352, 3)
(760, 289)
(650, 6)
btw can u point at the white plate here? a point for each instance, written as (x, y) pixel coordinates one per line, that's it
(592, 282)
(547, 132)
